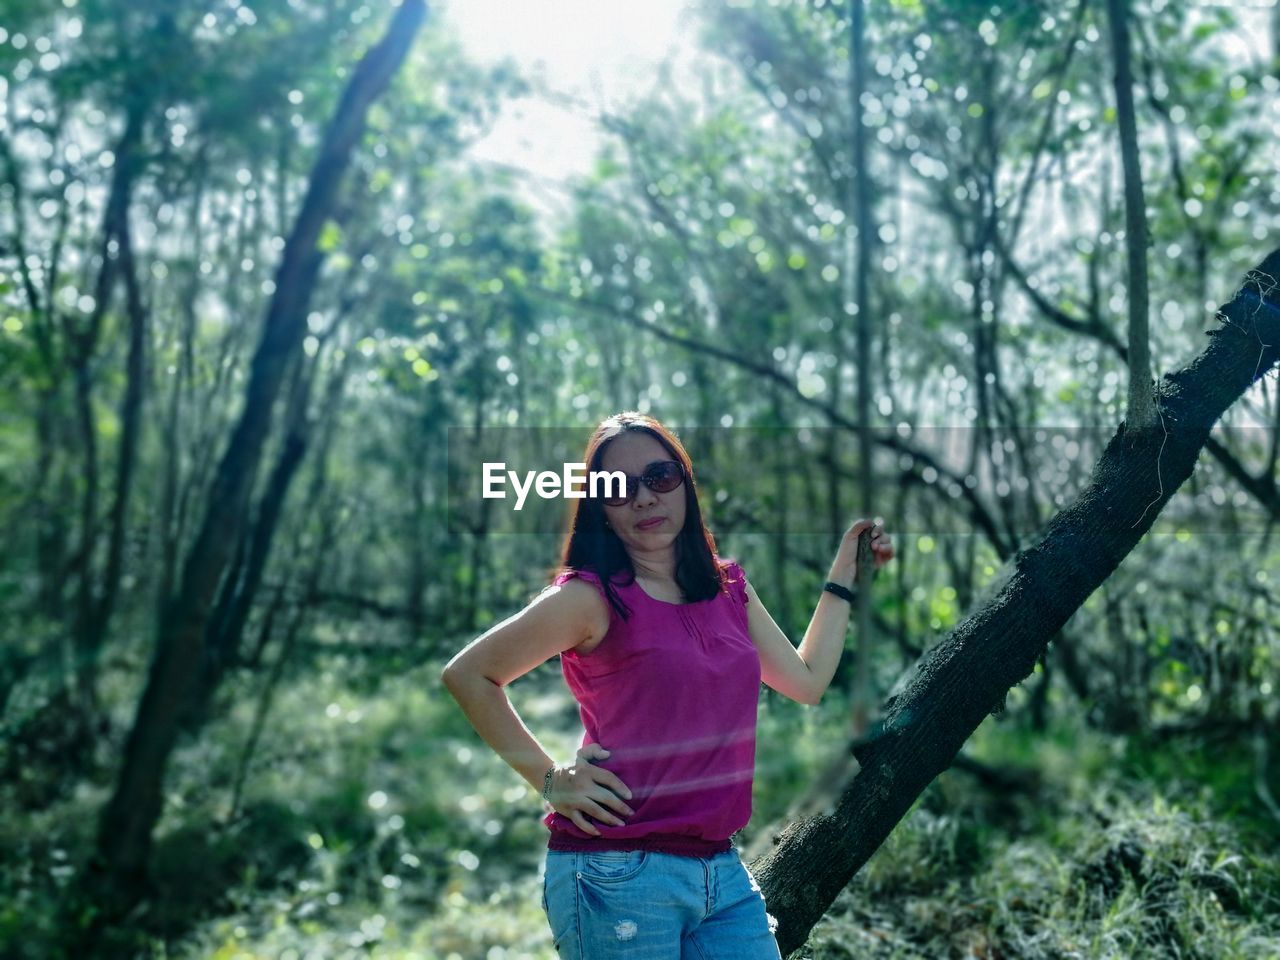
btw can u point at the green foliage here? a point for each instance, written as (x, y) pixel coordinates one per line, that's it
(1090, 856)
(699, 270)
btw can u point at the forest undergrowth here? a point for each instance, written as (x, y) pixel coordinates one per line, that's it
(374, 823)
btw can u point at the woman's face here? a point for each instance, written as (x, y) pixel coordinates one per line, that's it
(633, 453)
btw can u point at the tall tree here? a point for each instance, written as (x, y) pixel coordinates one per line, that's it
(1141, 408)
(117, 874)
(97, 605)
(858, 210)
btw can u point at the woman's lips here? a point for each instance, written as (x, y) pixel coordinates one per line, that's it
(650, 523)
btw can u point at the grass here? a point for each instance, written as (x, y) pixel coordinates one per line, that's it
(1110, 856)
(375, 823)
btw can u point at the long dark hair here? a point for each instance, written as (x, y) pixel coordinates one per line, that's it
(590, 545)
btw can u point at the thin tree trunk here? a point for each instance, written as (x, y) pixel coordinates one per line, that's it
(131, 430)
(114, 232)
(421, 496)
(48, 513)
(267, 696)
(322, 557)
(783, 476)
(1141, 408)
(859, 203)
(183, 381)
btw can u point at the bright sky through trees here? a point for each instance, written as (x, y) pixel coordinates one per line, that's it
(599, 51)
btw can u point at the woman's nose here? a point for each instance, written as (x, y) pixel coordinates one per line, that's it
(644, 495)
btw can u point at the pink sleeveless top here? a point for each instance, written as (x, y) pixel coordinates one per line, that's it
(672, 693)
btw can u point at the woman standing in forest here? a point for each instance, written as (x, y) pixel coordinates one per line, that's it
(664, 646)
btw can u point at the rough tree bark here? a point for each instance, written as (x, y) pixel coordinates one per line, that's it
(117, 874)
(967, 675)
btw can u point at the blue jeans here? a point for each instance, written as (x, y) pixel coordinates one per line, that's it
(646, 905)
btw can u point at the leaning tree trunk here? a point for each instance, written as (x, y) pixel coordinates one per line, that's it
(967, 675)
(117, 874)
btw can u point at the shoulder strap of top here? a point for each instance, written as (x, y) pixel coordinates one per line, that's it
(568, 575)
(737, 583)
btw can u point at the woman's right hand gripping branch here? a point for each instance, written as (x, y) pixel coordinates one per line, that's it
(582, 788)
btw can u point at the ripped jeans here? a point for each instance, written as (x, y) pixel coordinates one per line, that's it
(647, 905)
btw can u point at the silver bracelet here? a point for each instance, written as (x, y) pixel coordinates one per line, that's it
(546, 784)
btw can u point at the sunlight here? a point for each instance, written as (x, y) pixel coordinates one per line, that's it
(573, 37)
(598, 53)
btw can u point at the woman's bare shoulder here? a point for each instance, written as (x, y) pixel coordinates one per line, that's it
(583, 601)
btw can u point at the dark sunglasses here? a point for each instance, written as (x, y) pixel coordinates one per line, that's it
(660, 477)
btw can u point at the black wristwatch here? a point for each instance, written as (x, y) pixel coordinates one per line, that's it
(844, 593)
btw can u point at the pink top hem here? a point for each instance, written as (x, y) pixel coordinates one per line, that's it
(680, 846)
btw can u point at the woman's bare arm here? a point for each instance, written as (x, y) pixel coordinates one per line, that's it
(558, 620)
(782, 667)
(804, 674)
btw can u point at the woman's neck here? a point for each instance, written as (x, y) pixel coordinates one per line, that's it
(658, 566)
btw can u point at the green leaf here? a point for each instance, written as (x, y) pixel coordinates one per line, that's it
(330, 237)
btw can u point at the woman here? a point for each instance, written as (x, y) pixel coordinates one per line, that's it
(664, 645)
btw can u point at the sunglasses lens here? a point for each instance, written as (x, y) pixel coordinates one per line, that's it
(631, 486)
(665, 477)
